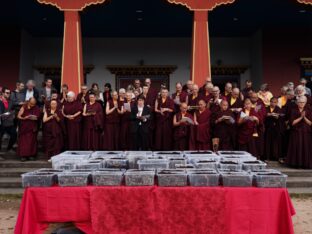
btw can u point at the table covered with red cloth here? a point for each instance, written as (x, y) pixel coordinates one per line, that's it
(158, 210)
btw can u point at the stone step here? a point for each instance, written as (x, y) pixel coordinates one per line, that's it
(299, 182)
(27, 164)
(11, 191)
(15, 182)
(12, 155)
(300, 191)
(15, 172)
(296, 172)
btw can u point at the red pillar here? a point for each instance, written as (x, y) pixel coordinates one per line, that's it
(200, 69)
(72, 61)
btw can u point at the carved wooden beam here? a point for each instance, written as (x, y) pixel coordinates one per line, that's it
(141, 70)
(56, 70)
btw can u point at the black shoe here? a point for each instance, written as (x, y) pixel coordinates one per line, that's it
(23, 159)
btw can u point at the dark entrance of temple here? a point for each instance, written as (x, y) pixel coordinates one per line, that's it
(125, 75)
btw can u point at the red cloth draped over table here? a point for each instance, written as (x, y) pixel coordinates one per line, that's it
(158, 210)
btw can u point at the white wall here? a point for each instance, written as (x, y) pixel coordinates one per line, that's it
(101, 52)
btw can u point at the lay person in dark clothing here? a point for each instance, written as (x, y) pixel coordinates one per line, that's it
(7, 114)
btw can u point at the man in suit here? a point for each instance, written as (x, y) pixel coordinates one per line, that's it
(140, 119)
(46, 92)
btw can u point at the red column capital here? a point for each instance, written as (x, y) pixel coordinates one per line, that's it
(308, 2)
(71, 5)
(195, 5)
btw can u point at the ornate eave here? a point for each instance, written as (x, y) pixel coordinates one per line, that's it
(141, 70)
(56, 70)
(228, 70)
(307, 2)
(71, 5)
(203, 5)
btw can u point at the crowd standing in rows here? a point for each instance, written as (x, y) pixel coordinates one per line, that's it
(141, 117)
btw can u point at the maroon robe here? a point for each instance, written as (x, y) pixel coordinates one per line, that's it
(273, 134)
(73, 126)
(27, 134)
(163, 131)
(125, 124)
(112, 121)
(286, 109)
(261, 112)
(207, 97)
(53, 134)
(181, 97)
(193, 101)
(92, 127)
(83, 99)
(181, 133)
(47, 105)
(245, 138)
(151, 97)
(300, 141)
(215, 106)
(200, 138)
(224, 130)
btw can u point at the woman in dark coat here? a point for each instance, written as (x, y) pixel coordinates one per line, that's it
(53, 130)
(300, 146)
(28, 129)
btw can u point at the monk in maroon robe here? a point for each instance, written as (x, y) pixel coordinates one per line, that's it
(125, 122)
(193, 99)
(259, 107)
(112, 123)
(181, 131)
(53, 130)
(92, 124)
(200, 138)
(235, 105)
(54, 96)
(274, 121)
(223, 127)
(206, 93)
(83, 96)
(72, 111)
(164, 107)
(28, 129)
(178, 97)
(214, 103)
(300, 147)
(247, 128)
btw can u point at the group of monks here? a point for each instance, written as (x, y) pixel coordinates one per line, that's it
(192, 118)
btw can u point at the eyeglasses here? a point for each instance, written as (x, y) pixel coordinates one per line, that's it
(7, 92)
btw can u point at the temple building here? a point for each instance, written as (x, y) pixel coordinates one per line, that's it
(117, 41)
